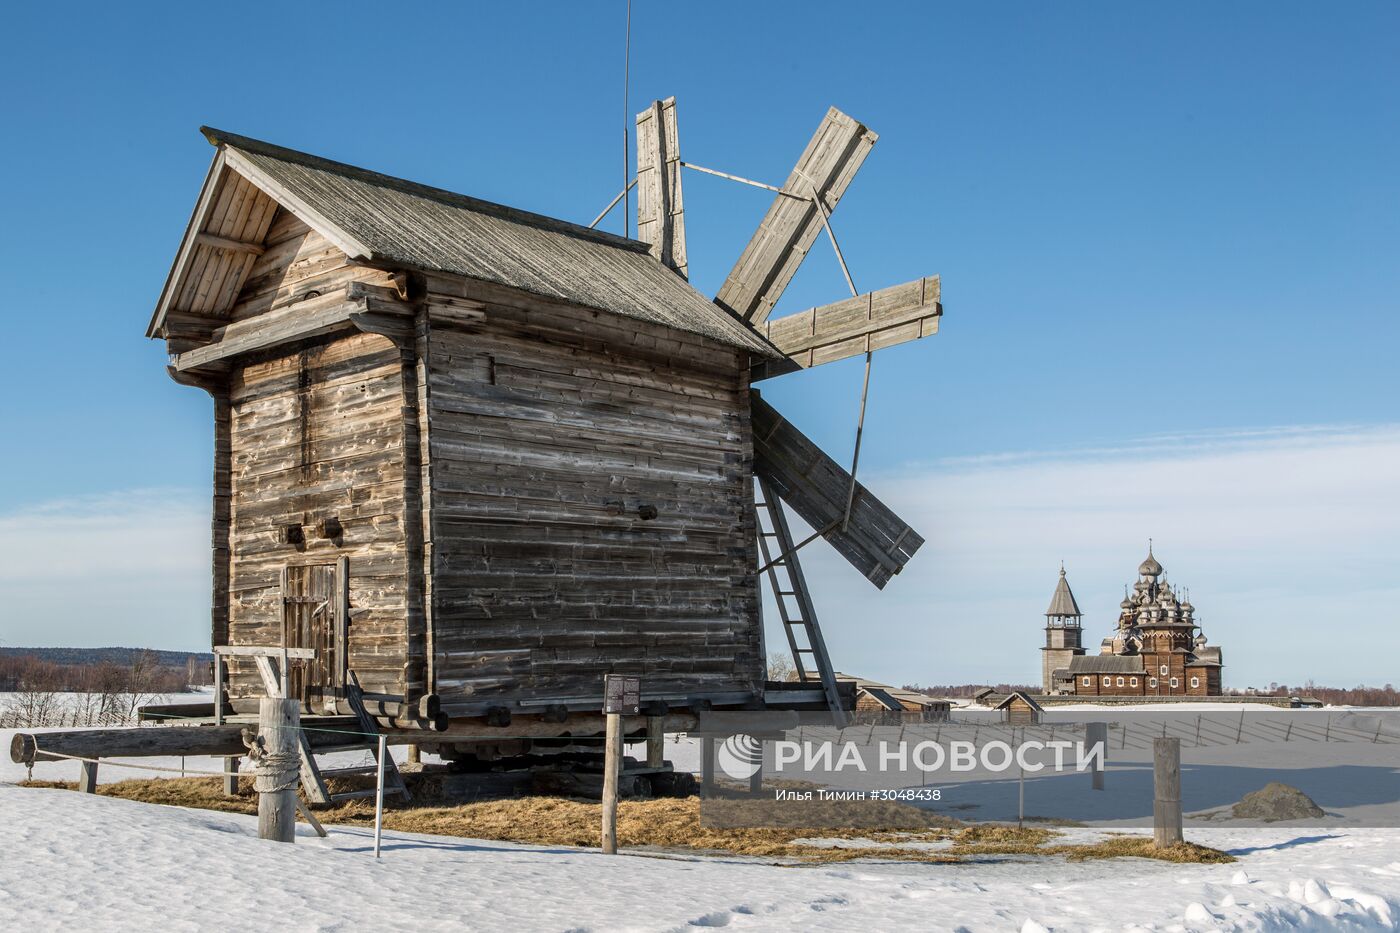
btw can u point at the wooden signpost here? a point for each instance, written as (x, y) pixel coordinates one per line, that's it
(622, 696)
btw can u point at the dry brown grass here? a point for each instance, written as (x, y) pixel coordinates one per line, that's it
(675, 824)
(1142, 847)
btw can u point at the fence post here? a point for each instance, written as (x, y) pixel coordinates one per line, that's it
(656, 741)
(87, 777)
(278, 767)
(1166, 792)
(230, 763)
(379, 793)
(707, 766)
(1096, 733)
(612, 762)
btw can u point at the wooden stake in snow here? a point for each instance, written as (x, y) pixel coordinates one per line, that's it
(1166, 792)
(621, 695)
(612, 754)
(379, 794)
(278, 760)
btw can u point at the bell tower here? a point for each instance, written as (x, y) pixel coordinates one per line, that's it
(1063, 633)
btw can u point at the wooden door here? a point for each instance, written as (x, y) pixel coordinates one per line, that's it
(312, 617)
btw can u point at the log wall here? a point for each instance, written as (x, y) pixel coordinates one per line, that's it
(315, 434)
(550, 431)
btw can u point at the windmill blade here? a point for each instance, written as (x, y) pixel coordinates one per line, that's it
(660, 209)
(793, 221)
(845, 328)
(877, 542)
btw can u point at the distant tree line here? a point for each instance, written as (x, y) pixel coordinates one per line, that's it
(35, 692)
(960, 691)
(1333, 696)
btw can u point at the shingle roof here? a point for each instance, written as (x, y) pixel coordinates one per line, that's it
(1062, 603)
(1105, 664)
(400, 222)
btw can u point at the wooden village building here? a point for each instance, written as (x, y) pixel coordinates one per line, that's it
(1157, 648)
(873, 697)
(472, 458)
(1020, 709)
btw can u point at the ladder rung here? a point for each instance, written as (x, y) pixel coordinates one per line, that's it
(357, 769)
(370, 792)
(357, 794)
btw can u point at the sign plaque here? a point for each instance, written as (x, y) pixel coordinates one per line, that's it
(622, 694)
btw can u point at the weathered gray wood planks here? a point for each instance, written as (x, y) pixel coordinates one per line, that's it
(769, 261)
(660, 207)
(872, 321)
(877, 542)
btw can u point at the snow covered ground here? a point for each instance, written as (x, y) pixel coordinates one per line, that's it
(110, 864)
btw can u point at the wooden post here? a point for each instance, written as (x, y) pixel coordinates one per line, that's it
(230, 763)
(279, 721)
(1096, 734)
(612, 760)
(707, 766)
(1166, 792)
(756, 779)
(379, 793)
(231, 779)
(656, 741)
(415, 756)
(87, 777)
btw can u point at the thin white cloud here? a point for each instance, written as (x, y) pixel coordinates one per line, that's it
(129, 568)
(1288, 538)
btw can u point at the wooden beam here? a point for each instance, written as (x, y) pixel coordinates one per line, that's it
(771, 258)
(190, 324)
(204, 238)
(877, 542)
(255, 651)
(307, 318)
(660, 208)
(872, 321)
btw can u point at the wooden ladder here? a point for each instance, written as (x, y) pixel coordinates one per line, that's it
(794, 600)
(365, 739)
(313, 775)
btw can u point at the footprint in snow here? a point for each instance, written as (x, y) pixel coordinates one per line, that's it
(717, 918)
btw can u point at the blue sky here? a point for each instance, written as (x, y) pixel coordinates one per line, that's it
(1158, 227)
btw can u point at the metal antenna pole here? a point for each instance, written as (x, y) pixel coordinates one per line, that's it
(626, 130)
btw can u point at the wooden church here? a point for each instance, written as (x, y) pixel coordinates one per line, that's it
(476, 458)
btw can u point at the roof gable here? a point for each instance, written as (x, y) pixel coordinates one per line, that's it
(392, 222)
(1025, 698)
(222, 240)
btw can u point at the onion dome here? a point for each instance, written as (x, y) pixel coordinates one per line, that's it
(1150, 567)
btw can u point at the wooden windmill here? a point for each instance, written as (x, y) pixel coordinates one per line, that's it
(787, 465)
(473, 459)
